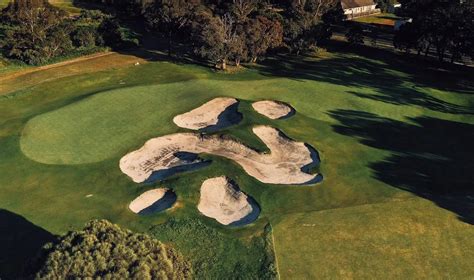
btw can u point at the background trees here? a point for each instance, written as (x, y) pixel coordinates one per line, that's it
(171, 18)
(446, 26)
(104, 250)
(37, 32)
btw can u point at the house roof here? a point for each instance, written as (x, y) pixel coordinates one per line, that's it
(348, 4)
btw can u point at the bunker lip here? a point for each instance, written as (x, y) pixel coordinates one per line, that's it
(222, 200)
(275, 110)
(287, 163)
(153, 201)
(213, 115)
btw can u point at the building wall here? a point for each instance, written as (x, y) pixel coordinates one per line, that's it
(361, 11)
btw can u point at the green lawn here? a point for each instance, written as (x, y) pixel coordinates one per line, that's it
(388, 131)
(382, 19)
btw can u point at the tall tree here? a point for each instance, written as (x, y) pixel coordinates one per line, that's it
(171, 18)
(302, 18)
(219, 40)
(262, 34)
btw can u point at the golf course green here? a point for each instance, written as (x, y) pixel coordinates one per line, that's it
(396, 154)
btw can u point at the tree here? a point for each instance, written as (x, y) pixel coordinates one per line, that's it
(445, 25)
(103, 250)
(38, 31)
(171, 17)
(110, 32)
(262, 34)
(302, 17)
(219, 40)
(355, 35)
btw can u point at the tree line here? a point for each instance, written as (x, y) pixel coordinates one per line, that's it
(223, 31)
(219, 31)
(444, 25)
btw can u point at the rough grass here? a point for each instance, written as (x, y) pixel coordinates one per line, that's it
(410, 239)
(206, 247)
(380, 124)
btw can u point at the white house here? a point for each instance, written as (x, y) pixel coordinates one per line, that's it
(358, 8)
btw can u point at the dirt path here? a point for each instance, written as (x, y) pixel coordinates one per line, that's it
(22, 72)
(26, 78)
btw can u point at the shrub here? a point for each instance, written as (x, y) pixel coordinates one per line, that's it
(104, 250)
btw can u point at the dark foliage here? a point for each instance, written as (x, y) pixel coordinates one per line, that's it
(446, 26)
(37, 32)
(355, 35)
(104, 250)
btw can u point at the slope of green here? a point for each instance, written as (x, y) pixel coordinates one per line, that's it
(387, 130)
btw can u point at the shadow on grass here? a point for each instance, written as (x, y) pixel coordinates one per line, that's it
(432, 158)
(393, 78)
(20, 243)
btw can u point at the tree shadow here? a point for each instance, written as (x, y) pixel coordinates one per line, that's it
(393, 78)
(432, 158)
(20, 244)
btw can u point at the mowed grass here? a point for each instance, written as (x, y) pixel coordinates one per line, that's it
(410, 239)
(382, 19)
(61, 139)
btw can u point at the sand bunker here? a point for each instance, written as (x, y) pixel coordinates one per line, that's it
(213, 115)
(287, 163)
(221, 199)
(153, 201)
(273, 109)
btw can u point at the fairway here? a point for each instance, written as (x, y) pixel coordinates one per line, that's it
(380, 207)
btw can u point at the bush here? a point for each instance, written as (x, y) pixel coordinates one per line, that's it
(104, 250)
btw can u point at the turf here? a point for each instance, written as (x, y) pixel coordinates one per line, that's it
(387, 129)
(413, 239)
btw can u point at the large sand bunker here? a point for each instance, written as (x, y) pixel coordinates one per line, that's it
(153, 201)
(213, 115)
(287, 163)
(222, 200)
(273, 109)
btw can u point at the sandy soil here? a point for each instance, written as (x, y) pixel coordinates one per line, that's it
(213, 115)
(287, 163)
(273, 109)
(152, 201)
(221, 199)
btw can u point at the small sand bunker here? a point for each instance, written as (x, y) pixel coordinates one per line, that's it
(153, 201)
(214, 115)
(288, 162)
(221, 199)
(273, 109)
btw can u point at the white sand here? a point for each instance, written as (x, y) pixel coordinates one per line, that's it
(216, 114)
(272, 109)
(222, 200)
(147, 199)
(283, 165)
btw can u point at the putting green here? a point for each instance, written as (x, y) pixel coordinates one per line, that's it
(110, 123)
(104, 125)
